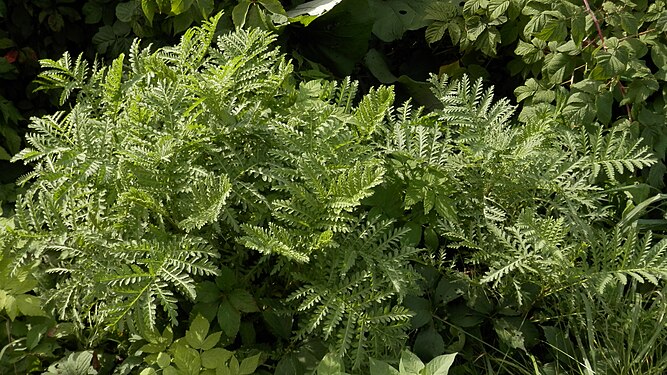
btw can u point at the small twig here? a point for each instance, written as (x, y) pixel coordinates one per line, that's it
(597, 23)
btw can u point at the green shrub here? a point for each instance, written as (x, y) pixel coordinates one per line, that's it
(201, 180)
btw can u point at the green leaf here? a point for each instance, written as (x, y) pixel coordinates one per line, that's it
(422, 309)
(578, 27)
(77, 363)
(382, 368)
(559, 66)
(211, 341)
(279, 325)
(378, 66)
(229, 318)
(206, 7)
(509, 335)
(394, 17)
(240, 12)
(197, 333)
(180, 6)
(554, 30)
(440, 365)
(609, 64)
(104, 37)
(163, 359)
(182, 22)
(163, 6)
(3, 299)
(215, 358)
(309, 11)
(289, 365)
(226, 280)
(149, 7)
(629, 23)
(273, 6)
(208, 292)
(436, 31)
(4, 155)
(243, 301)
(429, 344)
(639, 90)
(29, 305)
(6, 43)
(35, 335)
(11, 307)
(125, 12)
(55, 22)
(249, 365)
(603, 103)
(187, 360)
(498, 8)
(330, 364)
(3, 9)
(410, 363)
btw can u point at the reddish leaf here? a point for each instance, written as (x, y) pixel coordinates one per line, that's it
(11, 56)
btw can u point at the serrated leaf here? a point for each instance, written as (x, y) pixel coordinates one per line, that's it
(249, 365)
(6, 43)
(182, 22)
(229, 318)
(578, 27)
(208, 292)
(4, 155)
(422, 309)
(273, 6)
(125, 11)
(187, 360)
(77, 363)
(10, 306)
(243, 301)
(163, 359)
(382, 368)
(197, 333)
(215, 358)
(509, 335)
(440, 365)
(149, 7)
(436, 31)
(211, 341)
(226, 279)
(603, 103)
(279, 325)
(206, 7)
(639, 90)
(240, 13)
(611, 63)
(180, 6)
(29, 305)
(429, 344)
(410, 363)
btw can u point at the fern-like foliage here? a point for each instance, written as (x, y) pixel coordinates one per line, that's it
(175, 161)
(353, 303)
(130, 186)
(527, 200)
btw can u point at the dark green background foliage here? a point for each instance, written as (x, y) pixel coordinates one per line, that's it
(205, 200)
